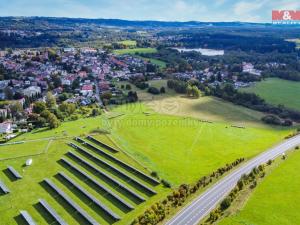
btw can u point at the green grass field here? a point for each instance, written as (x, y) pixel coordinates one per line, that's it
(275, 200)
(46, 155)
(26, 192)
(134, 51)
(183, 149)
(277, 91)
(157, 62)
(205, 108)
(129, 43)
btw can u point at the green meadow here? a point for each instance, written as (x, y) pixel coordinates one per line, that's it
(275, 200)
(129, 43)
(204, 108)
(157, 62)
(181, 148)
(133, 51)
(46, 157)
(277, 91)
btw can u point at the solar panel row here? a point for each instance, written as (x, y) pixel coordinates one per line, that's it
(52, 212)
(86, 216)
(111, 179)
(115, 169)
(102, 144)
(27, 217)
(90, 197)
(14, 172)
(79, 140)
(86, 176)
(125, 165)
(4, 188)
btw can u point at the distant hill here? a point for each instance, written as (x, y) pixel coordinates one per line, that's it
(54, 22)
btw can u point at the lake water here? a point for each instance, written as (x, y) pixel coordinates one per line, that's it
(203, 51)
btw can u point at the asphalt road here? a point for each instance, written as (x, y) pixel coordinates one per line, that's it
(207, 201)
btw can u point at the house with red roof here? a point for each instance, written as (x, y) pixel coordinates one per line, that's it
(87, 90)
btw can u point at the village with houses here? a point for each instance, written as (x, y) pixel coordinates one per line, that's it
(89, 78)
(84, 77)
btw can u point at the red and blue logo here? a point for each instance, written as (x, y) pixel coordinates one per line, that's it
(286, 17)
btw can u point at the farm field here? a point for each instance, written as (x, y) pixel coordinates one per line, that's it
(277, 91)
(183, 149)
(134, 50)
(275, 200)
(205, 108)
(157, 62)
(179, 149)
(129, 43)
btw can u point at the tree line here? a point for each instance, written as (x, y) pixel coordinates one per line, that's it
(246, 181)
(158, 211)
(253, 101)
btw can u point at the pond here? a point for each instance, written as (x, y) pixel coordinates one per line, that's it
(203, 51)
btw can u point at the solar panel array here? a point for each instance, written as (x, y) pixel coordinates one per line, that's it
(52, 212)
(27, 217)
(125, 165)
(111, 179)
(102, 144)
(90, 197)
(87, 177)
(4, 188)
(14, 172)
(114, 169)
(86, 216)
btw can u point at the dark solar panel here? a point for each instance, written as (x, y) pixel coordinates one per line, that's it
(89, 196)
(116, 170)
(102, 144)
(72, 203)
(98, 184)
(128, 167)
(27, 217)
(52, 212)
(4, 188)
(14, 172)
(113, 180)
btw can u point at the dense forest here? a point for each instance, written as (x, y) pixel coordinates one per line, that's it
(238, 42)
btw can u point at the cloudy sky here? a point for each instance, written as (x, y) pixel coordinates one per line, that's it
(169, 10)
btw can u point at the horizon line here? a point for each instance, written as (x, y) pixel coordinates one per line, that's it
(132, 20)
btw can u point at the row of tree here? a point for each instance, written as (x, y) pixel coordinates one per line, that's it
(247, 180)
(160, 210)
(178, 86)
(253, 101)
(156, 91)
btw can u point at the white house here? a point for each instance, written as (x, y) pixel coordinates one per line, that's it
(32, 91)
(5, 128)
(249, 68)
(66, 82)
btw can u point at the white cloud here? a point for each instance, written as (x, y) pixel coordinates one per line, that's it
(243, 7)
(182, 10)
(171, 10)
(287, 5)
(219, 3)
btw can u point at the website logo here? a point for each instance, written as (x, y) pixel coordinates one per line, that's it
(286, 17)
